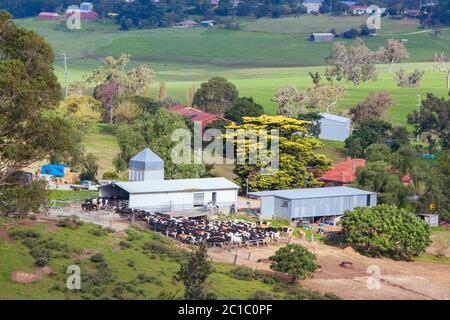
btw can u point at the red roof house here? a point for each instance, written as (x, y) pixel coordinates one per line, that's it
(84, 15)
(48, 16)
(342, 173)
(196, 115)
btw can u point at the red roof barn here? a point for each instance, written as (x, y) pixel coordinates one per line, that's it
(196, 115)
(88, 16)
(342, 173)
(48, 16)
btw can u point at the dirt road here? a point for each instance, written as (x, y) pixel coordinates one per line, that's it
(398, 279)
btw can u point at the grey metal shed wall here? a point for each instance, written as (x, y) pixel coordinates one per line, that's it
(329, 206)
(333, 130)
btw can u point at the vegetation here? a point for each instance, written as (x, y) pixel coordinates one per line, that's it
(216, 96)
(386, 230)
(296, 155)
(194, 274)
(295, 260)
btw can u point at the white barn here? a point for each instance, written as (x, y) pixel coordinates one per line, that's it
(175, 195)
(333, 127)
(148, 190)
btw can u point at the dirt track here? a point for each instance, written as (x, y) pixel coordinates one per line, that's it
(398, 279)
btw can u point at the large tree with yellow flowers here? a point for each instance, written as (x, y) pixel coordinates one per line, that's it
(299, 163)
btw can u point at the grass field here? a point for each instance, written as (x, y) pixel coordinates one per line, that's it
(141, 252)
(264, 55)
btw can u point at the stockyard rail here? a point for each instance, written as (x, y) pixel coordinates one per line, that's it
(230, 244)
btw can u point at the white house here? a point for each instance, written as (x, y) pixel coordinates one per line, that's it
(148, 190)
(333, 127)
(312, 5)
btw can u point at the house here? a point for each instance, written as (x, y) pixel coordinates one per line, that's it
(48, 16)
(214, 2)
(333, 127)
(186, 24)
(342, 173)
(84, 15)
(312, 5)
(86, 7)
(322, 37)
(360, 10)
(148, 190)
(195, 115)
(313, 203)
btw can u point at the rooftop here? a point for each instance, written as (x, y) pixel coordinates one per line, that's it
(146, 159)
(343, 172)
(334, 117)
(200, 184)
(312, 193)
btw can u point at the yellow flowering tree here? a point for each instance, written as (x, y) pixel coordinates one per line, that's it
(299, 164)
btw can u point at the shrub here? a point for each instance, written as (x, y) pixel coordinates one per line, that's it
(386, 230)
(261, 295)
(110, 175)
(124, 244)
(41, 261)
(411, 80)
(40, 252)
(98, 257)
(244, 273)
(131, 264)
(351, 34)
(23, 234)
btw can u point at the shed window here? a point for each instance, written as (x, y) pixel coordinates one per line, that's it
(284, 204)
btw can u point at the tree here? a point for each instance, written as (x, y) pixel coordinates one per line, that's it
(354, 63)
(379, 177)
(325, 96)
(194, 273)
(432, 121)
(386, 230)
(113, 81)
(90, 171)
(126, 111)
(295, 260)
(394, 52)
(411, 80)
(314, 122)
(299, 165)
(216, 96)
(368, 132)
(378, 152)
(107, 93)
(289, 100)
(244, 107)
(154, 131)
(82, 110)
(162, 91)
(373, 107)
(21, 199)
(31, 128)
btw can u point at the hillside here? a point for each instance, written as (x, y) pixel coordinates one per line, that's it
(138, 264)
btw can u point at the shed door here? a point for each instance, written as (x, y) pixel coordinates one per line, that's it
(199, 199)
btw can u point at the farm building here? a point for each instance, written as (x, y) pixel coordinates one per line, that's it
(146, 166)
(431, 219)
(360, 10)
(195, 115)
(148, 190)
(186, 24)
(313, 203)
(312, 5)
(333, 127)
(48, 16)
(174, 195)
(321, 37)
(342, 173)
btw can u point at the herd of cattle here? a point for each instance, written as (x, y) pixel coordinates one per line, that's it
(214, 233)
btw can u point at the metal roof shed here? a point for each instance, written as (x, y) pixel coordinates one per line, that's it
(333, 127)
(313, 202)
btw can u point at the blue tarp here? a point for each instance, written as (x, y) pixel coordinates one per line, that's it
(56, 170)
